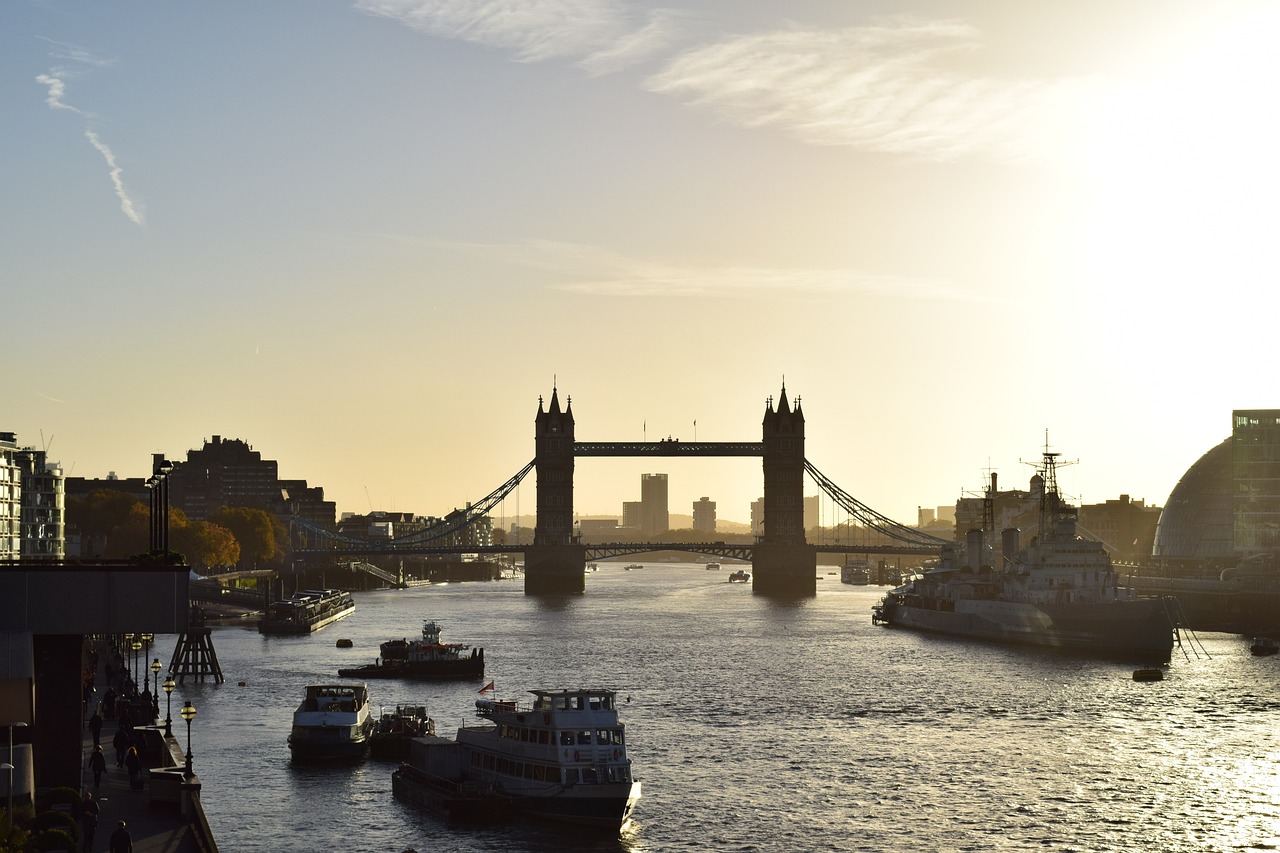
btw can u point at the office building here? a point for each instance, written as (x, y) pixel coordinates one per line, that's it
(704, 515)
(654, 520)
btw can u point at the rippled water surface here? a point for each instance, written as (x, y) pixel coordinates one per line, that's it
(763, 725)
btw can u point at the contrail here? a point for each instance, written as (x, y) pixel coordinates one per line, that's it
(57, 89)
(126, 203)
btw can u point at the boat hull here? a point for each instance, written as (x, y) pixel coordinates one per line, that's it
(320, 748)
(1139, 628)
(438, 670)
(303, 626)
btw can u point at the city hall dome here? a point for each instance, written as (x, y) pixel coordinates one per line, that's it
(1196, 521)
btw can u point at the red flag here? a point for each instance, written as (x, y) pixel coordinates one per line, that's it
(486, 688)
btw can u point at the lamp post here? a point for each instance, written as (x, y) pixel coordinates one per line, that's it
(188, 713)
(169, 684)
(136, 646)
(155, 691)
(9, 814)
(9, 766)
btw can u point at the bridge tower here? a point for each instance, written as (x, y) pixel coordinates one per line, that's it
(782, 561)
(555, 563)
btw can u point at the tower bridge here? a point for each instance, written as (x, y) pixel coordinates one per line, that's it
(783, 563)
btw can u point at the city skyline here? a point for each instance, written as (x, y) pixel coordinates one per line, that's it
(366, 237)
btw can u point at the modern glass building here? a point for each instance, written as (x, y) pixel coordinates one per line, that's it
(1255, 480)
(1226, 508)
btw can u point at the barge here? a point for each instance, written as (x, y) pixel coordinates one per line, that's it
(306, 611)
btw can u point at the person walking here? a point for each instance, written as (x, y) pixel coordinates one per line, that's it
(87, 810)
(121, 840)
(95, 726)
(133, 763)
(121, 743)
(98, 764)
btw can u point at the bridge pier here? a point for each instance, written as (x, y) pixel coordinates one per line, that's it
(784, 569)
(555, 569)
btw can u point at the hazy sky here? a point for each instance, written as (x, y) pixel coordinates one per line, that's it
(366, 236)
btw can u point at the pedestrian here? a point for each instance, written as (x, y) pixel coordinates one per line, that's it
(121, 840)
(87, 810)
(133, 763)
(121, 743)
(123, 717)
(98, 764)
(109, 701)
(95, 726)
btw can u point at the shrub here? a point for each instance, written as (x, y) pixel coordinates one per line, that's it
(55, 839)
(57, 820)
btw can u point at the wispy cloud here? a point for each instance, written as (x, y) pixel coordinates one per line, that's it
(590, 270)
(880, 88)
(599, 35)
(56, 84)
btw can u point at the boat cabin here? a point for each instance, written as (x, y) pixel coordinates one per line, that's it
(335, 697)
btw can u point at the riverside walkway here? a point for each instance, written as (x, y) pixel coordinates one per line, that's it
(154, 817)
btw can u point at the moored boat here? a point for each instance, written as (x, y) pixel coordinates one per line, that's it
(425, 659)
(393, 731)
(1263, 646)
(306, 611)
(713, 566)
(332, 722)
(1060, 591)
(563, 757)
(857, 574)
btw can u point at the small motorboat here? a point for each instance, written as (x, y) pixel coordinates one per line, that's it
(1263, 646)
(739, 577)
(1150, 673)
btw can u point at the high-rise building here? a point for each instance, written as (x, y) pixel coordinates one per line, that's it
(228, 472)
(10, 498)
(654, 520)
(32, 503)
(757, 517)
(1255, 478)
(632, 513)
(704, 515)
(811, 517)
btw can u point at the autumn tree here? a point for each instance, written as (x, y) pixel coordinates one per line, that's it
(256, 530)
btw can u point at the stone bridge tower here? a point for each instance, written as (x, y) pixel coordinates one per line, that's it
(555, 562)
(783, 562)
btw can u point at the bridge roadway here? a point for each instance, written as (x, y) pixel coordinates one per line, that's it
(599, 551)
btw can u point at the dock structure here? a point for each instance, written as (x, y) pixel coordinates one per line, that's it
(194, 654)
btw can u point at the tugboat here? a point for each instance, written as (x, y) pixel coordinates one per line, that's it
(1060, 591)
(395, 729)
(563, 758)
(332, 722)
(425, 659)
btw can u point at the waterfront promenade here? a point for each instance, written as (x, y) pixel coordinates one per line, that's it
(154, 817)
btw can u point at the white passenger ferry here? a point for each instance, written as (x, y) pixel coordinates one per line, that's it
(564, 757)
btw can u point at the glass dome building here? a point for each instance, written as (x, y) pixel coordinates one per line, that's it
(1197, 521)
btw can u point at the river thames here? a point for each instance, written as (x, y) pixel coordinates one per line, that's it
(767, 725)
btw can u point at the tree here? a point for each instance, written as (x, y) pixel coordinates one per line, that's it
(254, 529)
(205, 544)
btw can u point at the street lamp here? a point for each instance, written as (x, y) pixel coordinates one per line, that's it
(9, 814)
(188, 713)
(169, 684)
(136, 646)
(9, 766)
(155, 692)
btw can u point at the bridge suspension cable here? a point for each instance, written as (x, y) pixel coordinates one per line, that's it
(460, 518)
(867, 516)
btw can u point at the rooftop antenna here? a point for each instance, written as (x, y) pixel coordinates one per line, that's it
(368, 499)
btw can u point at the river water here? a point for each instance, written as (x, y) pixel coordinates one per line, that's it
(764, 725)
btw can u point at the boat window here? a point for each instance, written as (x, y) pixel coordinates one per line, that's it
(528, 771)
(566, 738)
(488, 762)
(553, 774)
(589, 776)
(604, 736)
(571, 775)
(544, 736)
(584, 737)
(539, 772)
